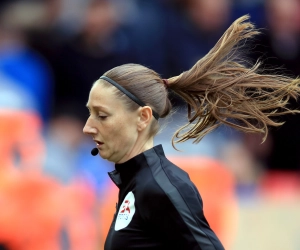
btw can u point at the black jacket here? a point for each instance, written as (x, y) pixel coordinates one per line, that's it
(159, 207)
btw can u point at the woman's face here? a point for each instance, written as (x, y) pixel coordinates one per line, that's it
(111, 125)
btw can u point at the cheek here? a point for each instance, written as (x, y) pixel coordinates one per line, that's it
(120, 134)
(125, 134)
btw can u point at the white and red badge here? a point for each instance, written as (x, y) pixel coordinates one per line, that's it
(126, 212)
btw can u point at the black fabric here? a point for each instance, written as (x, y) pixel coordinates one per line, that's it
(168, 207)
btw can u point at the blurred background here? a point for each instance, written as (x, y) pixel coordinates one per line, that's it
(54, 195)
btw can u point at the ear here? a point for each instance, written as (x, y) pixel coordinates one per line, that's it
(145, 117)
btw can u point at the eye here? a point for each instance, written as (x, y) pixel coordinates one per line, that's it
(102, 117)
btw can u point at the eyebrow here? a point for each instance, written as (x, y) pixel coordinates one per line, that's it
(96, 107)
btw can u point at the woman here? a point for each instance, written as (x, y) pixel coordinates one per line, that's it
(159, 207)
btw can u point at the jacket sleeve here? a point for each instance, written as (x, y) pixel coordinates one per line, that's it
(174, 213)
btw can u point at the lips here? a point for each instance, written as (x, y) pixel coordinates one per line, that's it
(98, 143)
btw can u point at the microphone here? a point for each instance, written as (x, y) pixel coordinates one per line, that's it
(94, 151)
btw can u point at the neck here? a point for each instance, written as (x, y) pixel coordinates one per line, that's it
(136, 150)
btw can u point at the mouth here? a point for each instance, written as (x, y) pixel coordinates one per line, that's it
(98, 143)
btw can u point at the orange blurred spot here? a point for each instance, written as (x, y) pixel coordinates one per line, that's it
(20, 132)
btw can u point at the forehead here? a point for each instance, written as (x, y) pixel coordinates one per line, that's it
(101, 95)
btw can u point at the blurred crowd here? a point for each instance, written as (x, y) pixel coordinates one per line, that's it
(51, 52)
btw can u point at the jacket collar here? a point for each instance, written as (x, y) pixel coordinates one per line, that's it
(125, 171)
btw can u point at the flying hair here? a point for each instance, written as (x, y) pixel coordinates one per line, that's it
(220, 89)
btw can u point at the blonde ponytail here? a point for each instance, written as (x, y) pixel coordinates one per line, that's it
(220, 89)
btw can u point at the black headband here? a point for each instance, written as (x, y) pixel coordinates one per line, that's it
(130, 95)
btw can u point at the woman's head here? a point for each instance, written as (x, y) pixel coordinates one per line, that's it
(143, 83)
(117, 123)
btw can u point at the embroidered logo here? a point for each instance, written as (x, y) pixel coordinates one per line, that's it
(126, 212)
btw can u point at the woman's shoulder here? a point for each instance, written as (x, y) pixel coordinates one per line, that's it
(167, 188)
(162, 180)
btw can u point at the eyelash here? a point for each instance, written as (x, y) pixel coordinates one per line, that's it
(102, 117)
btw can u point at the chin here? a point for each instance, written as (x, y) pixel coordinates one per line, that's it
(104, 156)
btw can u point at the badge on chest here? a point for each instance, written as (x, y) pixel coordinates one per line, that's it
(126, 212)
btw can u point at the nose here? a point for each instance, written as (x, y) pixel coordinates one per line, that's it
(88, 129)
